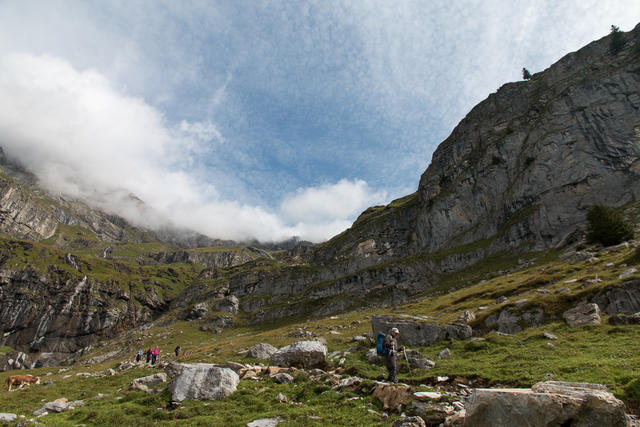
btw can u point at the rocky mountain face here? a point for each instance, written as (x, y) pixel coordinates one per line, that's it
(516, 175)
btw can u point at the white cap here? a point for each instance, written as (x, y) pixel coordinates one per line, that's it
(394, 330)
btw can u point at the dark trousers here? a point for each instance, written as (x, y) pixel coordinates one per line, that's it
(392, 367)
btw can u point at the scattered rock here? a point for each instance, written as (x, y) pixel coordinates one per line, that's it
(421, 333)
(409, 422)
(302, 354)
(467, 317)
(7, 418)
(433, 414)
(302, 333)
(281, 398)
(372, 356)
(548, 403)
(502, 300)
(151, 380)
(264, 422)
(627, 273)
(417, 360)
(198, 311)
(198, 381)
(621, 319)
(582, 314)
(444, 354)
(282, 378)
(427, 395)
(261, 351)
(549, 336)
(392, 397)
(359, 338)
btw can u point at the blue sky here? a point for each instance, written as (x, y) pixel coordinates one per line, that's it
(263, 119)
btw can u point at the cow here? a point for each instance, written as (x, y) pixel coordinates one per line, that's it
(21, 380)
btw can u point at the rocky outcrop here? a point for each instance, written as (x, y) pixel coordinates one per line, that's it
(583, 314)
(415, 332)
(549, 403)
(512, 320)
(301, 354)
(22, 215)
(210, 259)
(200, 381)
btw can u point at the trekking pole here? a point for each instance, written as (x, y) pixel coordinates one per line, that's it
(407, 359)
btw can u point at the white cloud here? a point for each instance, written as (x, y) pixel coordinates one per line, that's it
(83, 138)
(327, 202)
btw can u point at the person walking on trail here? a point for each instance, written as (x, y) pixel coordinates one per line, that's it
(177, 351)
(139, 355)
(391, 344)
(148, 355)
(154, 355)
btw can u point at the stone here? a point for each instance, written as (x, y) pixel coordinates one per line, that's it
(433, 413)
(466, 317)
(621, 319)
(282, 378)
(502, 300)
(392, 397)
(359, 338)
(264, 422)
(548, 403)
(261, 351)
(627, 273)
(301, 354)
(549, 336)
(200, 381)
(417, 360)
(7, 417)
(281, 398)
(582, 314)
(510, 321)
(409, 422)
(420, 333)
(151, 380)
(444, 354)
(427, 395)
(372, 356)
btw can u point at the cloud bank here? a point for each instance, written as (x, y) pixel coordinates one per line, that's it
(85, 139)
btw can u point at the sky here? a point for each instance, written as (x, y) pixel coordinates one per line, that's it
(261, 119)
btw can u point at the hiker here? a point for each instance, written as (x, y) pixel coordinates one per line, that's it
(177, 351)
(154, 355)
(392, 355)
(148, 354)
(139, 355)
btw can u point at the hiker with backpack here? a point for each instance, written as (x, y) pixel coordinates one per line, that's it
(387, 346)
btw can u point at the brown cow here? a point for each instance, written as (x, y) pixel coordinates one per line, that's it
(21, 380)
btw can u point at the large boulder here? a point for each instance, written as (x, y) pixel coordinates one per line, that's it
(392, 397)
(582, 314)
(200, 381)
(546, 404)
(261, 351)
(301, 354)
(415, 332)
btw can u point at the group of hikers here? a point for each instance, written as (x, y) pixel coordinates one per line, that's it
(387, 346)
(153, 356)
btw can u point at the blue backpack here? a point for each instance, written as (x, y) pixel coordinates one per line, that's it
(380, 348)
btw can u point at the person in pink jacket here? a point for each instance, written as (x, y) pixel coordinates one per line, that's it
(154, 355)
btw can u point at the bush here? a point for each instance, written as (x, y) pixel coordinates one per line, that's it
(606, 226)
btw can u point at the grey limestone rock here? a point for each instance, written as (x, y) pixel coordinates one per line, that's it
(261, 351)
(7, 418)
(200, 381)
(549, 403)
(582, 314)
(282, 378)
(230, 304)
(304, 354)
(409, 422)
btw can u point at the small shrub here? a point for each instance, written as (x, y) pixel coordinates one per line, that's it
(606, 226)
